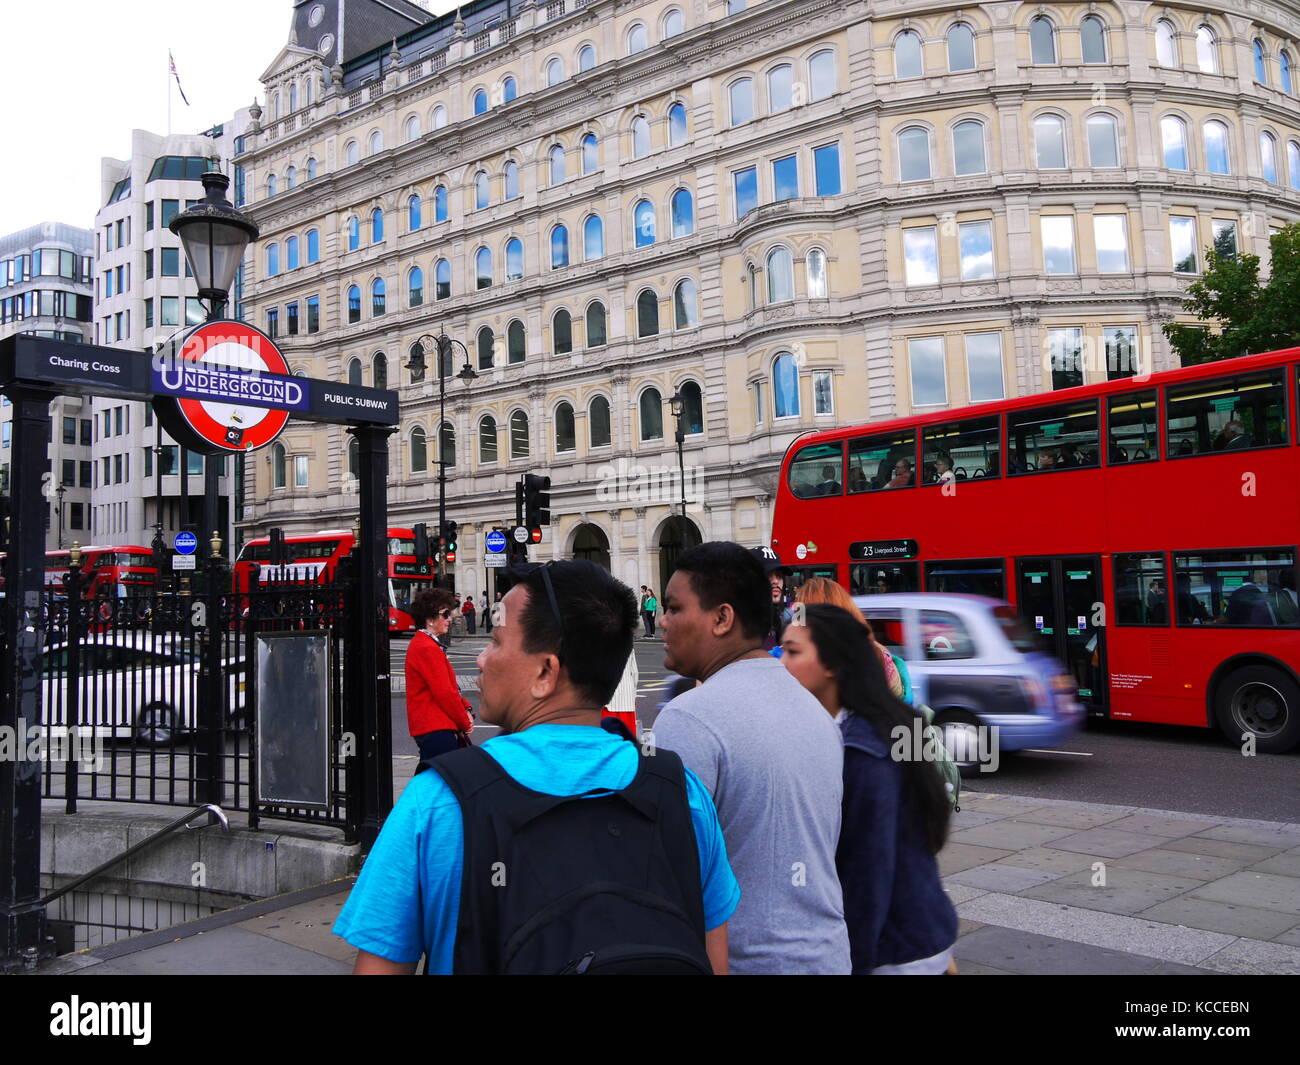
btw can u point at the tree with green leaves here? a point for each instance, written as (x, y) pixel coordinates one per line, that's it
(1251, 316)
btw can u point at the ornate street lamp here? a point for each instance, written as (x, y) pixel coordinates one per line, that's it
(677, 402)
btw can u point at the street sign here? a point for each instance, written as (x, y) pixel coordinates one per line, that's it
(183, 562)
(520, 533)
(496, 542)
(495, 561)
(186, 543)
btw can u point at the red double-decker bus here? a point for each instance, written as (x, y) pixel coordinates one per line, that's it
(314, 557)
(105, 571)
(1146, 529)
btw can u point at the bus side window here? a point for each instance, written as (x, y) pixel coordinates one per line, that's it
(1226, 414)
(1131, 428)
(816, 471)
(1141, 590)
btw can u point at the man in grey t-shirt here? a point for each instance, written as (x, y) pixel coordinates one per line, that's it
(771, 756)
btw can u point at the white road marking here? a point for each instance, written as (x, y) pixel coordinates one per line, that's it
(1043, 750)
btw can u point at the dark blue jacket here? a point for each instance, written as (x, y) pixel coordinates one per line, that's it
(894, 902)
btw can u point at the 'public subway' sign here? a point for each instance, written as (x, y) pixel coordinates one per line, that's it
(224, 386)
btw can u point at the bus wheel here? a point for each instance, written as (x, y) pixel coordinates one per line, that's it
(1262, 702)
(155, 725)
(960, 732)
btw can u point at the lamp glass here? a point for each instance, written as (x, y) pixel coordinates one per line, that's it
(214, 250)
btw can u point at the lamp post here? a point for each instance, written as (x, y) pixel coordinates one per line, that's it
(420, 350)
(214, 235)
(60, 490)
(678, 404)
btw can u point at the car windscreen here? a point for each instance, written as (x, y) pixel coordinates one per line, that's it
(1014, 630)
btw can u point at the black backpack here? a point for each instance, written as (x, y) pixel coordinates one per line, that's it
(607, 885)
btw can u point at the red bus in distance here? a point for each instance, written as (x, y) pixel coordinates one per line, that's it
(314, 558)
(1146, 530)
(105, 571)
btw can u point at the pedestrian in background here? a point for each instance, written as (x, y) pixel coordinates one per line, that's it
(651, 609)
(436, 712)
(896, 813)
(769, 754)
(487, 614)
(776, 573)
(467, 611)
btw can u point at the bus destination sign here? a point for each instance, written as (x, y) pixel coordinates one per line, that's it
(875, 550)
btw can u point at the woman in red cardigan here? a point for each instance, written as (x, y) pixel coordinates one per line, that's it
(437, 713)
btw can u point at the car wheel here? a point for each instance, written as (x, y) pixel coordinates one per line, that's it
(155, 725)
(1262, 702)
(960, 732)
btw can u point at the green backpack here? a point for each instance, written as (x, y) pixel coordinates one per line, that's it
(944, 763)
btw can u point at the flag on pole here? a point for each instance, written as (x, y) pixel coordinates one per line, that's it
(172, 63)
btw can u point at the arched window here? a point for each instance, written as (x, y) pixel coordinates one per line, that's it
(1207, 51)
(438, 117)
(516, 349)
(596, 333)
(277, 466)
(480, 189)
(355, 372)
(683, 209)
(692, 408)
(1049, 142)
(311, 169)
(480, 102)
(751, 287)
(379, 370)
(354, 459)
(418, 372)
(559, 247)
(598, 422)
(483, 268)
(686, 314)
(487, 439)
(512, 180)
(643, 221)
(1218, 158)
(413, 219)
(354, 304)
(1288, 83)
(1173, 140)
(412, 130)
(1093, 32)
(376, 142)
(566, 431)
(419, 453)
(586, 58)
(562, 332)
(378, 297)
(780, 88)
(1042, 40)
(291, 177)
(308, 86)
(1103, 140)
(961, 48)
(509, 90)
(1268, 155)
(1166, 44)
(821, 75)
(557, 164)
(313, 246)
(291, 253)
(647, 314)
(816, 274)
(272, 260)
(914, 154)
(415, 287)
(652, 415)
(640, 137)
(514, 259)
(376, 225)
(276, 106)
(272, 185)
(742, 100)
(678, 132)
(780, 276)
(590, 154)
(354, 233)
(1293, 163)
(442, 280)
(908, 59)
(593, 238)
(519, 435)
(785, 386)
(554, 72)
(637, 39)
(447, 444)
(1261, 67)
(486, 345)
(440, 203)
(968, 148)
(350, 153)
(673, 24)
(293, 97)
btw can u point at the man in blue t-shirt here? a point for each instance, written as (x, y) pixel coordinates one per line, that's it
(549, 704)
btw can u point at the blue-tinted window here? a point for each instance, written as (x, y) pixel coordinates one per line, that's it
(354, 234)
(291, 253)
(171, 261)
(313, 246)
(785, 178)
(593, 238)
(413, 213)
(559, 247)
(480, 102)
(683, 213)
(746, 182)
(378, 297)
(514, 259)
(354, 304)
(483, 268)
(826, 169)
(376, 225)
(440, 204)
(643, 218)
(442, 279)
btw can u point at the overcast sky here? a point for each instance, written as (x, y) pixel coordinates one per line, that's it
(80, 75)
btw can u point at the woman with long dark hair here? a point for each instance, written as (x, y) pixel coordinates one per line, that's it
(896, 811)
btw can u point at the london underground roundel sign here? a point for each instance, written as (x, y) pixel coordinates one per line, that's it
(225, 387)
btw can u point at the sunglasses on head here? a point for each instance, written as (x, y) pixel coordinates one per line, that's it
(545, 567)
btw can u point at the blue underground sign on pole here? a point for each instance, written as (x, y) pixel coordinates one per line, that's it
(186, 543)
(496, 542)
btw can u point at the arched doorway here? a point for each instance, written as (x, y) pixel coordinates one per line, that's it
(676, 535)
(591, 543)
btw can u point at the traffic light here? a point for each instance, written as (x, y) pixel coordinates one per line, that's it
(278, 553)
(537, 500)
(448, 536)
(421, 531)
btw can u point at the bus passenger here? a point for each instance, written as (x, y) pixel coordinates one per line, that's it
(902, 475)
(943, 470)
(830, 485)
